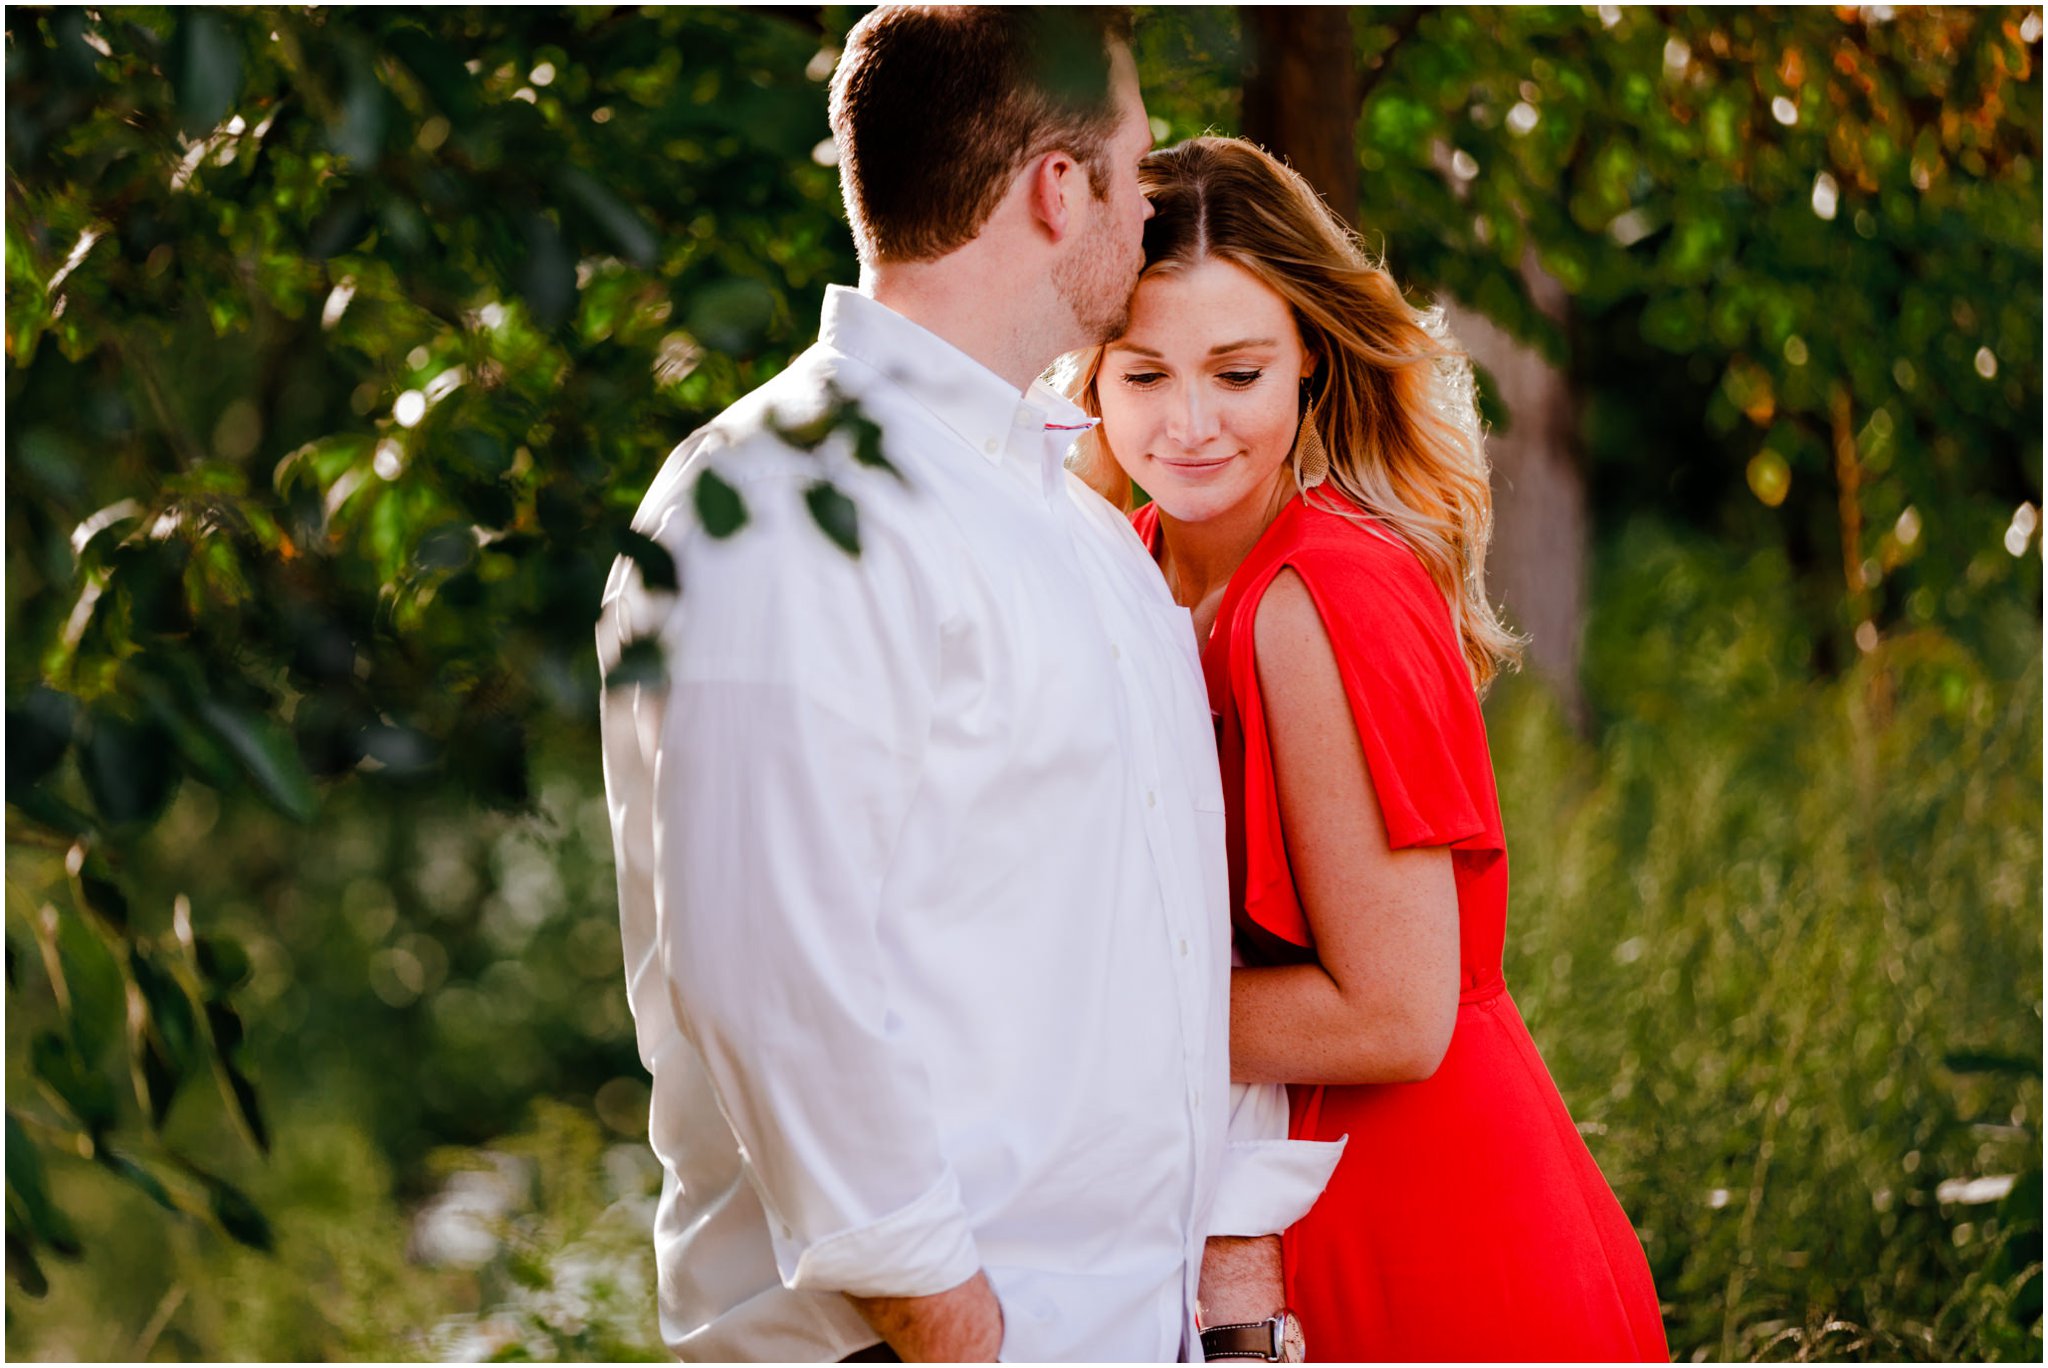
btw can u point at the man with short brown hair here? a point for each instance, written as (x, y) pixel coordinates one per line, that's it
(919, 852)
(924, 161)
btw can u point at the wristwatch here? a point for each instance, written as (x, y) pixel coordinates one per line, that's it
(1277, 1339)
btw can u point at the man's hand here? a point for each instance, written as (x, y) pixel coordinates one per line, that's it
(1241, 1279)
(961, 1325)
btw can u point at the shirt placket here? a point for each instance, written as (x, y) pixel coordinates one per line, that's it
(1141, 665)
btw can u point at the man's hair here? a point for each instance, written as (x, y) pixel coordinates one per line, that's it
(936, 108)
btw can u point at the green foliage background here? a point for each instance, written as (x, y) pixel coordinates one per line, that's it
(341, 345)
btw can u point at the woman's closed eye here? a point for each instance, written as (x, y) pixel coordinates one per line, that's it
(1143, 379)
(1240, 379)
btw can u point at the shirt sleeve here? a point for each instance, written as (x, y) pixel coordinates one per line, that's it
(799, 695)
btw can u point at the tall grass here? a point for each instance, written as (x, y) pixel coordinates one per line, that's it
(1780, 943)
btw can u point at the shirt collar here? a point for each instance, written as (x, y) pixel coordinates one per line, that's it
(981, 407)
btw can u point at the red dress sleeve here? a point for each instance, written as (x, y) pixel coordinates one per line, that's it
(1411, 699)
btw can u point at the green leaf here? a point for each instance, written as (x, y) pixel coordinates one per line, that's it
(365, 111)
(402, 751)
(222, 962)
(206, 70)
(128, 767)
(657, 567)
(170, 1008)
(136, 1176)
(719, 506)
(23, 1268)
(439, 69)
(340, 228)
(867, 441)
(835, 515)
(1984, 1061)
(84, 1093)
(547, 276)
(156, 1079)
(103, 896)
(238, 1216)
(446, 547)
(204, 755)
(622, 224)
(25, 1184)
(731, 315)
(268, 754)
(243, 1093)
(490, 756)
(92, 981)
(640, 662)
(226, 1026)
(48, 810)
(39, 729)
(163, 1036)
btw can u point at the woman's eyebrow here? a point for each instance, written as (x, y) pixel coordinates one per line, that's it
(1247, 344)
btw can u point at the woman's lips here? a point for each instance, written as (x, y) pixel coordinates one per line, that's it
(1188, 467)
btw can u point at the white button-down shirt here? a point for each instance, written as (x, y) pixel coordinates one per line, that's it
(922, 884)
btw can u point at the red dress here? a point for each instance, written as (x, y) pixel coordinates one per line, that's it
(1466, 1219)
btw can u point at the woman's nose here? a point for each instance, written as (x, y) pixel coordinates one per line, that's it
(1194, 419)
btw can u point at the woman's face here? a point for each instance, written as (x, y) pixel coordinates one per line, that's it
(1201, 398)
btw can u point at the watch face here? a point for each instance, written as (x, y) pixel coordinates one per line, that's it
(1293, 1349)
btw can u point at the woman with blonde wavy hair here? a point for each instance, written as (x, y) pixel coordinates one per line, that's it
(1320, 504)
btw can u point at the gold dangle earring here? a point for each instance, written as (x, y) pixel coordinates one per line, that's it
(1311, 459)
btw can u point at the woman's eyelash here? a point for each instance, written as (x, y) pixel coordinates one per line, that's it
(1239, 379)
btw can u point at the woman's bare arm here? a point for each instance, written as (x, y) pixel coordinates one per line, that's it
(1380, 1003)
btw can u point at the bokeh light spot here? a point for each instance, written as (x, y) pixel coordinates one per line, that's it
(2020, 534)
(1826, 195)
(1770, 479)
(1907, 528)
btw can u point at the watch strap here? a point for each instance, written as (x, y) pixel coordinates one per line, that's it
(1258, 1340)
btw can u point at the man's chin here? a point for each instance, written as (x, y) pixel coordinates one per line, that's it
(1113, 328)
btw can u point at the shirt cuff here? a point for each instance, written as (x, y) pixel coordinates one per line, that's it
(1268, 1185)
(915, 1251)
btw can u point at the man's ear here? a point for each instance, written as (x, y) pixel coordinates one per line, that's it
(1052, 179)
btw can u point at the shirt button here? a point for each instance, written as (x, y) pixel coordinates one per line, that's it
(1116, 652)
(1198, 1097)
(1151, 798)
(991, 446)
(1183, 947)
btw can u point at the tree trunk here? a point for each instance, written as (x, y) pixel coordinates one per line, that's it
(1303, 94)
(1541, 529)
